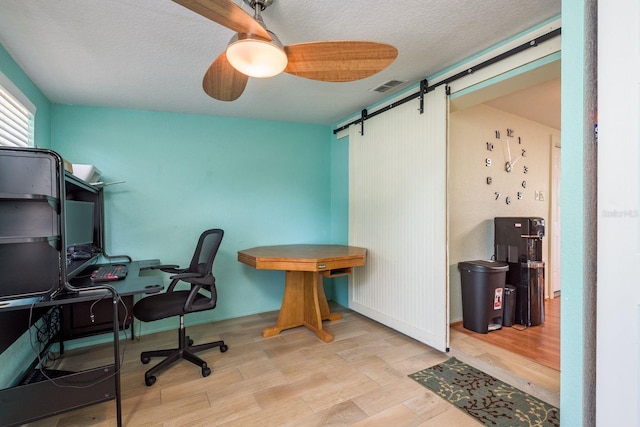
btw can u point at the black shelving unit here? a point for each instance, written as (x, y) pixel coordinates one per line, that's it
(31, 237)
(34, 187)
(33, 261)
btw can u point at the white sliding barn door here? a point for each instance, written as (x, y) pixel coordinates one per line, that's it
(398, 211)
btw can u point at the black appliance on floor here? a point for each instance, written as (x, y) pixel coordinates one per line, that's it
(518, 242)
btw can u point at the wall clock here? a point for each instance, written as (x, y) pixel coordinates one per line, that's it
(509, 160)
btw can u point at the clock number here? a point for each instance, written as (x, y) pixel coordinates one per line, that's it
(489, 180)
(524, 184)
(509, 133)
(497, 134)
(519, 140)
(524, 153)
(508, 200)
(497, 195)
(519, 195)
(526, 169)
(489, 146)
(487, 162)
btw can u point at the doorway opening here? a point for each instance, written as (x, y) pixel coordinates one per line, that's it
(480, 189)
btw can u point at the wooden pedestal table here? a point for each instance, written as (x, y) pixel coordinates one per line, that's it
(304, 302)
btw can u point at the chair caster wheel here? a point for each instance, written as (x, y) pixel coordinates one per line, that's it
(150, 380)
(206, 371)
(223, 348)
(145, 360)
(190, 342)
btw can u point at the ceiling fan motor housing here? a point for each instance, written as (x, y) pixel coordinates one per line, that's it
(262, 3)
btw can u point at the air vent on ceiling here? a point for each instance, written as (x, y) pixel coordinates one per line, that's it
(387, 85)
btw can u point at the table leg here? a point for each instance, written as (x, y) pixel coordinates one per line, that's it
(304, 304)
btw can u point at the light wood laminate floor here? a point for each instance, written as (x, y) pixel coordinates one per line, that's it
(539, 343)
(295, 379)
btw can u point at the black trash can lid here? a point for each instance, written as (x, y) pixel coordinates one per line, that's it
(483, 266)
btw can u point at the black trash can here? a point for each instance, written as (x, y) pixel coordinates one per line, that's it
(509, 309)
(483, 284)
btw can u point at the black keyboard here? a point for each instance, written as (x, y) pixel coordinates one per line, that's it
(109, 272)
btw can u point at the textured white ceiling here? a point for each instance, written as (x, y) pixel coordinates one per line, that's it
(540, 103)
(152, 54)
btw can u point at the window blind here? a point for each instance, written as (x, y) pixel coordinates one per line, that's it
(16, 121)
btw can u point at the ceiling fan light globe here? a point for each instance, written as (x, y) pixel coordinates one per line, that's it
(256, 58)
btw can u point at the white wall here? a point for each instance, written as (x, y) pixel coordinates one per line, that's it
(618, 243)
(472, 204)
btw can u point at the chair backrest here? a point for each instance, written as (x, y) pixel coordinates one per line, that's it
(208, 244)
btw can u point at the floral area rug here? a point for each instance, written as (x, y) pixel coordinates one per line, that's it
(487, 399)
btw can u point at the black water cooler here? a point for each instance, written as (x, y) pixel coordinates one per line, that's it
(518, 242)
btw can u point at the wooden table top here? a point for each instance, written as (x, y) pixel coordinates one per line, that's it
(303, 257)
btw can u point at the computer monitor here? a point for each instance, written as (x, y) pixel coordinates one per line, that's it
(78, 224)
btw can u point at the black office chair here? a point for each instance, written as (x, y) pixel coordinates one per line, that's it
(180, 302)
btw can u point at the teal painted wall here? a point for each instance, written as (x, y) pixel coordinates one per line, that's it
(572, 341)
(263, 182)
(9, 68)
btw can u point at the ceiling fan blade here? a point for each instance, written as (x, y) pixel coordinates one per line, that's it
(222, 81)
(338, 61)
(227, 14)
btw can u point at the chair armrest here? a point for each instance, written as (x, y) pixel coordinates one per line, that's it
(161, 266)
(167, 268)
(185, 276)
(189, 305)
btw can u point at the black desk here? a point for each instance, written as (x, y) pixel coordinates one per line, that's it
(29, 402)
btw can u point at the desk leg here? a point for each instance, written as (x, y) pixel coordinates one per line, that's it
(304, 304)
(116, 358)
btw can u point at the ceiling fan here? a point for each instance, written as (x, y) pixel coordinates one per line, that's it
(257, 52)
